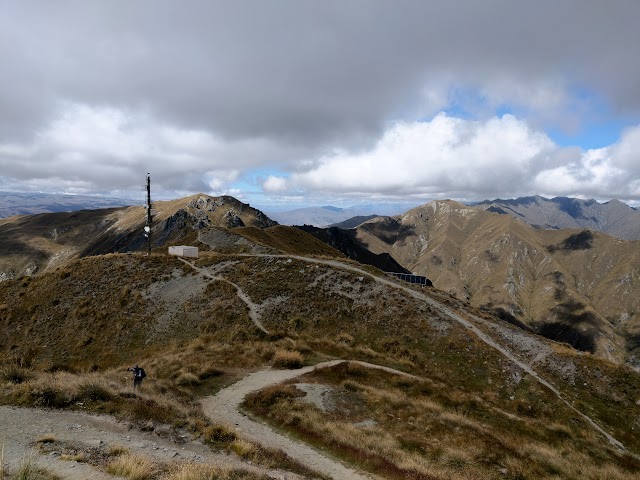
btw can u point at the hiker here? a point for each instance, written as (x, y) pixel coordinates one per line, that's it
(138, 375)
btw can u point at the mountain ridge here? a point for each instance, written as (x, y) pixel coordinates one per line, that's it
(22, 203)
(33, 243)
(577, 286)
(613, 217)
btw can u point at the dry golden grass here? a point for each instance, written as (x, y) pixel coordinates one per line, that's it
(194, 471)
(284, 239)
(74, 457)
(243, 449)
(117, 450)
(412, 429)
(28, 470)
(219, 434)
(108, 392)
(133, 467)
(288, 359)
(319, 313)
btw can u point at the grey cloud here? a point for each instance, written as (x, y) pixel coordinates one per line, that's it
(308, 71)
(304, 77)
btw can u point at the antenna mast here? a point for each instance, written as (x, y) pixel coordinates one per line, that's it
(147, 227)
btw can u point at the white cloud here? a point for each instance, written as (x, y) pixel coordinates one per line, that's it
(446, 154)
(465, 159)
(274, 184)
(626, 153)
(101, 149)
(611, 172)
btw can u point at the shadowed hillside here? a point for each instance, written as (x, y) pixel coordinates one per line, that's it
(345, 241)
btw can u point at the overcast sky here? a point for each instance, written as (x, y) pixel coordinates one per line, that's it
(322, 102)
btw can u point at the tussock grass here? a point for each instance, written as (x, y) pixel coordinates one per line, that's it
(28, 470)
(288, 359)
(193, 471)
(15, 374)
(117, 450)
(219, 434)
(96, 390)
(74, 457)
(243, 449)
(109, 392)
(426, 430)
(421, 428)
(133, 467)
(270, 458)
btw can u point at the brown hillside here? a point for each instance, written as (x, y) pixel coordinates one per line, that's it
(470, 412)
(575, 286)
(36, 243)
(289, 240)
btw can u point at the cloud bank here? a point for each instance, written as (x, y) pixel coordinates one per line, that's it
(473, 160)
(341, 97)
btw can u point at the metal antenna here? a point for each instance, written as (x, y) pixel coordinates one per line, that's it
(147, 227)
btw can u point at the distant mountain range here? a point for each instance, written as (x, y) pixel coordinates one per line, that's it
(328, 215)
(17, 203)
(614, 217)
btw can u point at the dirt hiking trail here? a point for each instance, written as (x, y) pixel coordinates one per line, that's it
(442, 309)
(20, 427)
(224, 408)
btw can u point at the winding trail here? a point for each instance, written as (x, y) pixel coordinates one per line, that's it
(223, 408)
(254, 308)
(479, 333)
(452, 315)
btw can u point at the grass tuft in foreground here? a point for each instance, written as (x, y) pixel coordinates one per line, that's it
(133, 467)
(28, 470)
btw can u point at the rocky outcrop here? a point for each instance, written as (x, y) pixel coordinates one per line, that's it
(208, 204)
(232, 219)
(263, 221)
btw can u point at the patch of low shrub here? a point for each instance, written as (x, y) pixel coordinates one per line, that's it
(132, 467)
(219, 434)
(187, 379)
(95, 392)
(15, 375)
(288, 359)
(209, 372)
(49, 396)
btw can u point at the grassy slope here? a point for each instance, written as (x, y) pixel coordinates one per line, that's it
(581, 292)
(104, 312)
(288, 239)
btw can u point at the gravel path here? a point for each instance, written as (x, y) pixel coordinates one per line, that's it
(470, 326)
(223, 408)
(19, 427)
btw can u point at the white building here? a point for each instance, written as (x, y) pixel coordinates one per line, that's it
(184, 251)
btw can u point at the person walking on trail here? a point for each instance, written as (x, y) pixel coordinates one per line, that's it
(138, 375)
